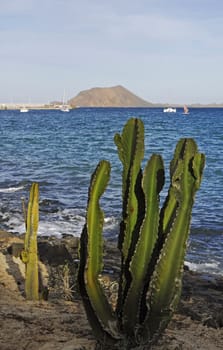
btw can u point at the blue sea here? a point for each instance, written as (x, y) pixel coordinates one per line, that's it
(61, 150)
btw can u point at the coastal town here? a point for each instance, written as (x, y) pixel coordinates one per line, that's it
(20, 106)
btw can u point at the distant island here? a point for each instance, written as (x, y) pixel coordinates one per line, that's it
(119, 96)
(116, 96)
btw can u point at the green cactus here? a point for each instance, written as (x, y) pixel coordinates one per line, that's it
(29, 254)
(152, 241)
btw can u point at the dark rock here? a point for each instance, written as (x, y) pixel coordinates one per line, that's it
(15, 249)
(53, 254)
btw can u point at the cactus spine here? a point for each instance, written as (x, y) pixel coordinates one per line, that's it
(152, 241)
(29, 254)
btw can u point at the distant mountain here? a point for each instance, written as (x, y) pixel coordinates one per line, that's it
(116, 96)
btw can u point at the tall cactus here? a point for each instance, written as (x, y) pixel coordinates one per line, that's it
(29, 254)
(152, 241)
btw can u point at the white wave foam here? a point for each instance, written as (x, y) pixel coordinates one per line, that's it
(111, 226)
(11, 189)
(58, 228)
(52, 228)
(210, 267)
(68, 221)
(53, 224)
(73, 227)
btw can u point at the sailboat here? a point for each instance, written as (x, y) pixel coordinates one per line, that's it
(186, 110)
(64, 107)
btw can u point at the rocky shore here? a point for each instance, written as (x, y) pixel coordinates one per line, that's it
(59, 322)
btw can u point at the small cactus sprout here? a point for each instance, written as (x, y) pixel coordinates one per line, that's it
(29, 254)
(152, 241)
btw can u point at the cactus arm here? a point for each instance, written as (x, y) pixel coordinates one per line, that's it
(168, 211)
(152, 184)
(95, 220)
(165, 284)
(98, 310)
(131, 152)
(130, 146)
(30, 245)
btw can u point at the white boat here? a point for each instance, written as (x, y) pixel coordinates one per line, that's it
(169, 110)
(24, 110)
(186, 110)
(64, 108)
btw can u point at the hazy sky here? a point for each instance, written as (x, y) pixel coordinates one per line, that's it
(161, 50)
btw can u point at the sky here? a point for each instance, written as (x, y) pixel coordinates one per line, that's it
(164, 51)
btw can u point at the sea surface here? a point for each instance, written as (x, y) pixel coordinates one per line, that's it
(61, 150)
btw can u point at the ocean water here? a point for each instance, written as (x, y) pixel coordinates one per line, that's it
(61, 150)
